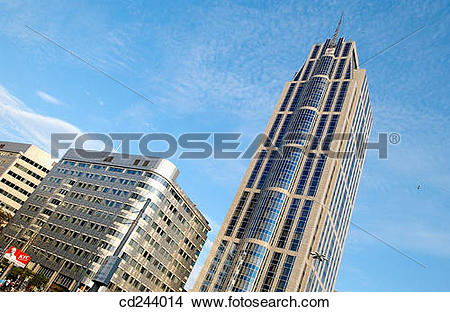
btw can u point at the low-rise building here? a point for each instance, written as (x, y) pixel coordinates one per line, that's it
(22, 168)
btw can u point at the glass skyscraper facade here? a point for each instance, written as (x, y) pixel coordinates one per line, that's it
(286, 227)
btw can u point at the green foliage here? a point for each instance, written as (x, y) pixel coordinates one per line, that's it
(3, 264)
(15, 273)
(38, 280)
(34, 279)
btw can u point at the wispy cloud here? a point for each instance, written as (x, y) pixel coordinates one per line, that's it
(48, 98)
(19, 122)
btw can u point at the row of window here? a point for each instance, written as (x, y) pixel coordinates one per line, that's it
(236, 213)
(3, 153)
(287, 97)
(224, 272)
(34, 164)
(269, 208)
(22, 179)
(214, 265)
(246, 219)
(102, 168)
(93, 176)
(319, 131)
(283, 130)
(249, 264)
(288, 223)
(296, 98)
(15, 187)
(134, 282)
(144, 270)
(331, 95)
(285, 168)
(163, 235)
(313, 92)
(28, 171)
(11, 196)
(7, 207)
(341, 97)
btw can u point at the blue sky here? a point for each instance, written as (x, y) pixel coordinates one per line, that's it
(220, 66)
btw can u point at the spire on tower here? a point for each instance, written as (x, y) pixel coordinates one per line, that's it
(336, 32)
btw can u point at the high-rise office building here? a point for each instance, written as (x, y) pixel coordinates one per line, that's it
(287, 225)
(22, 168)
(118, 222)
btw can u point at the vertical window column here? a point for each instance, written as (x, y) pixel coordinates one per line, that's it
(285, 273)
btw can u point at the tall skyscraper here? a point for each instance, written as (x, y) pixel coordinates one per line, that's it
(287, 225)
(22, 168)
(119, 222)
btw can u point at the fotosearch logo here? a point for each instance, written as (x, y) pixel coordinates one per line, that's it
(220, 145)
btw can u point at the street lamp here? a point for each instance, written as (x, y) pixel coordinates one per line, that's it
(109, 267)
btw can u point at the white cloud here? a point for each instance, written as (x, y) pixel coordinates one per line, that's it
(19, 122)
(48, 98)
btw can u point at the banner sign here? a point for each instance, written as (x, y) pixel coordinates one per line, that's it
(17, 257)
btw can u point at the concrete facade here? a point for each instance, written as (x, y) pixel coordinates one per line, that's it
(127, 209)
(22, 168)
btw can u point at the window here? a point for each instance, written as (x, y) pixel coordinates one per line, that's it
(246, 218)
(301, 224)
(319, 131)
(307, 70)
(267, 168)
(255, 171)
(331, 95)
(315, 51)
(341, 97)
(283, 130)
(136, 172)
(115, 169)
(273, 130)
(346, 49)
(271, 270)
(55, 201)
(305, 174)
(296, 99)
(316, 176)
(285, 231)
(287, 97)
(236, 213)
(264, 224)
(340, 68)
(214, 265)
(330, 132)
(285, 273)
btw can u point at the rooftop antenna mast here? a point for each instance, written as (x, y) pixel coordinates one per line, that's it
(336, 32)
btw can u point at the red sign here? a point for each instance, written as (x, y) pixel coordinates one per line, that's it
(17, 257)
